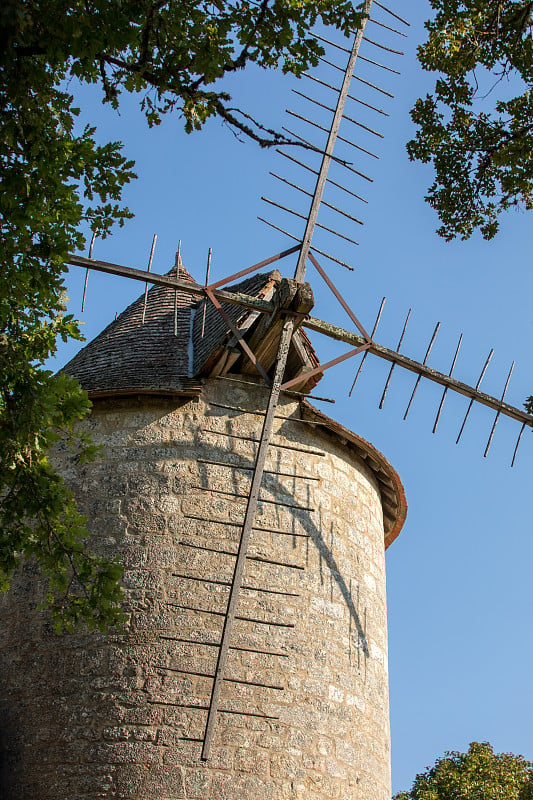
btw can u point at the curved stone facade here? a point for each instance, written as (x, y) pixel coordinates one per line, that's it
(122, 715)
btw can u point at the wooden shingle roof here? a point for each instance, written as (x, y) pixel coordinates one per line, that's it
(180, 340)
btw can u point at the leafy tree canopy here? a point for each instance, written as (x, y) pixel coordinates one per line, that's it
(54, 177)
(476, 128)
(479, 774)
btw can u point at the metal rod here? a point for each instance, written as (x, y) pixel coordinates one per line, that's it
(87, 271)
(437, 418)
(383, 47)
(357, 78)
(317, 224)
(154, 240)
(293, 185)
(178, 259)
(339, 297)
(350, 96)
(362, 58)
(394, 364)
(273, 444)
(300, 163)
(326, 159)
(485, 454)
(419, 378)
(387, 27)
(338, 160)
(341, 138)
(217, 644)
(265, 263)
(251, 508)
(400, 19)
(478, 384)
(374, 329)
(517, 443)
(207, 271)
(244, 496)
(178, 267)
(248, 467)
(241, 618)
(345, 116)
(314, 249)
(381, 66)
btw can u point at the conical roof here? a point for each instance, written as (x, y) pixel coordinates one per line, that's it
(161, 345)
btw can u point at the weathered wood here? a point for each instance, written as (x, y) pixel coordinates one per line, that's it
(264, 341)
(341, 335)
(332, 138)
(194, 289)
(251, 508)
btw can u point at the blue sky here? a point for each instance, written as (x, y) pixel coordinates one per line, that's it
(459, 586)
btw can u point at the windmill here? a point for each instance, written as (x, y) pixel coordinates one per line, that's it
(290, 315)
(359, 340)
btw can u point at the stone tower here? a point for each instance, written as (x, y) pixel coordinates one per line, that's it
(304, 707)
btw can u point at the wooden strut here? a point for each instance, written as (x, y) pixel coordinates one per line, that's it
(312, 323)
(268, 423)
(332, 138)
(251, 508)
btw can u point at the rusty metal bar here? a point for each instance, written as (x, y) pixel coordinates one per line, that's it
(217, 644)
(326, 159)
(293, 185)
(357, 78)
(254, 267)
(236, 616)
(154, 240)
(324, 367)
(340, 161)
(87, 272)
(208, 269)
(419, 377)
(273, 444)
(317, 224)
(261, 499)
(383, 47)
(339, 297)
(374, 329)
(350, 96)
(362, 58)
(400, 19)
(394, 363)
(248, 467)
(387, 27)
(345, 116)
(313, 248)
(485, 454)
(229, 680)
(471, 403)
(322, 128)
(437, 418)
(300, 163)
(517, 443)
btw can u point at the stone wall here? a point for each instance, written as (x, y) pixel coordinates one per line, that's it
(122, 715)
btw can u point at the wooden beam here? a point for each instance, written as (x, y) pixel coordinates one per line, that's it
(341, 335)
(194, 289)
